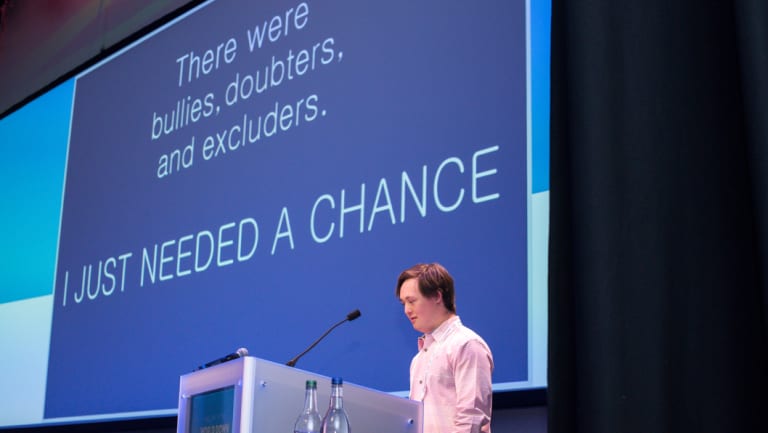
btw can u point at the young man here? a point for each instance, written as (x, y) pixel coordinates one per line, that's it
(451, 373)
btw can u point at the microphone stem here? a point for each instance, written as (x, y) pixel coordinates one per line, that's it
(293, 361)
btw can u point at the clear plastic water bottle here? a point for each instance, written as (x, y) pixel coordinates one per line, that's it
(309, 421)
(335, 420)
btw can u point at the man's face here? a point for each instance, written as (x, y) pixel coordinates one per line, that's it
(425, 314)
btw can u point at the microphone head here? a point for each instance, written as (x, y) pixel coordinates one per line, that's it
(241, 352)
(353, 315)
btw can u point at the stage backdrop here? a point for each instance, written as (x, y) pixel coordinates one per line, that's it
(250, 173)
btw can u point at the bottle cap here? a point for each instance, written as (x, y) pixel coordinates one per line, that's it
(336, 381)
(312, 384)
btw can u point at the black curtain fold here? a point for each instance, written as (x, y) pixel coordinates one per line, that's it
(658, 216)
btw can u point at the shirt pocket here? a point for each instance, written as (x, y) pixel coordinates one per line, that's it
(442, 377)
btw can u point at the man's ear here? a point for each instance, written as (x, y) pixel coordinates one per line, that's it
(439, 297)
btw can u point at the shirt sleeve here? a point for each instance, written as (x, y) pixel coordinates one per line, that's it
(474, 392)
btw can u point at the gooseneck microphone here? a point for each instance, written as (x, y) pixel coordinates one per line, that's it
(350, 317)
(241, 352)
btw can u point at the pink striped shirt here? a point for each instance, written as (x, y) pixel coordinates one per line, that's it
(451, 374)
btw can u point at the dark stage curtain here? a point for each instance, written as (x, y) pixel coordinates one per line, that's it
(658, 248)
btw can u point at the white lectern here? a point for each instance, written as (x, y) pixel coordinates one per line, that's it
(251, 395)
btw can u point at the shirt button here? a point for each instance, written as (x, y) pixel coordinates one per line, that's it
(420, 382)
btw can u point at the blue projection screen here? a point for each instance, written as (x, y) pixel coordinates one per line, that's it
(250, 173)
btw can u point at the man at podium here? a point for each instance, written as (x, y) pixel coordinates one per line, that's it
(451, 372)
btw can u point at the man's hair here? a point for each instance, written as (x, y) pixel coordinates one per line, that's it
(433, 278)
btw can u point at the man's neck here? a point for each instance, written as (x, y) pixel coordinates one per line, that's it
(443, 319)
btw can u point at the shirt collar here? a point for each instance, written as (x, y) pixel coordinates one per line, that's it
(439, 333)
